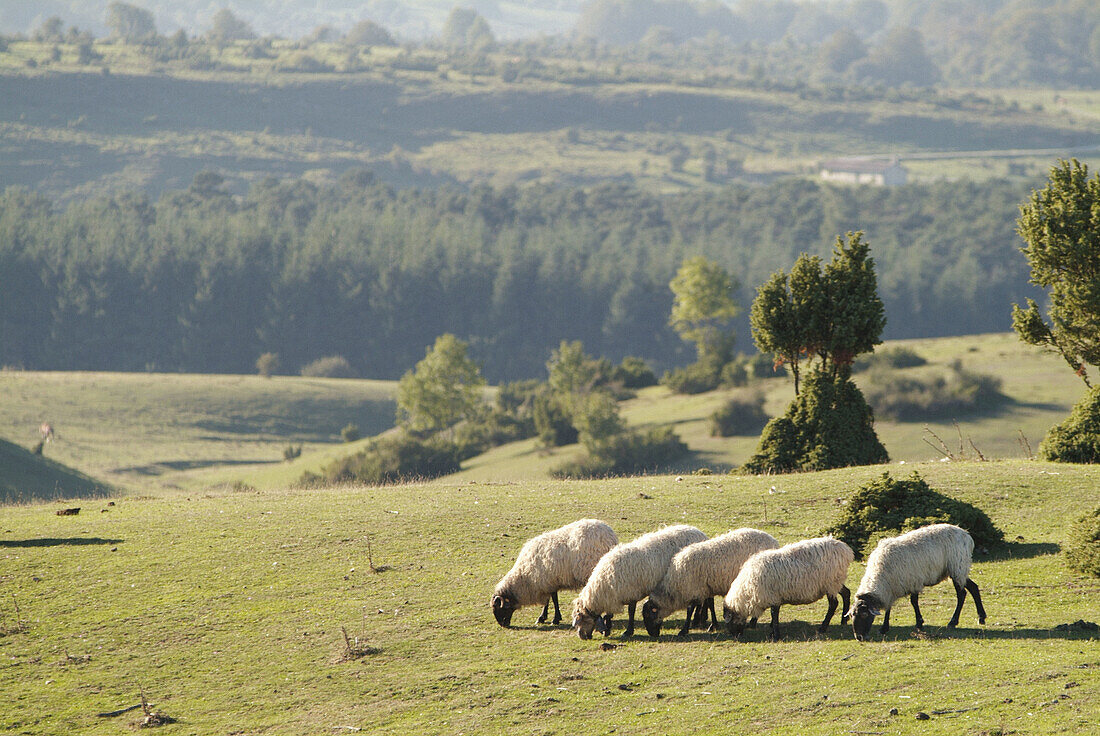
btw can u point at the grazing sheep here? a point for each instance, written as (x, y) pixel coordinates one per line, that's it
(909, 563)
(627, 574)
(700, 572)
(561, 559)
(798, 574)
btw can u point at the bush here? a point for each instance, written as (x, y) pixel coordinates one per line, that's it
(290, 452)
(396, 458)
(350, 433)
(1077, 439)
(887, 507)
(739, 416)
(1083, 545)
(898, 357)
(267, 364)
(634, 373)
(907, 399)
(693, 379)
(332, 366)
(828, 425)
(627, 453)
(552, 422)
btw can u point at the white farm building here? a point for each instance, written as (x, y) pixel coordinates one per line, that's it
(879, 172)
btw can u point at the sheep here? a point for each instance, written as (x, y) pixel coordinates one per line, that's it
(700, 572)
(560, 559)
(627, 574)
(798, 574)
(909, 563)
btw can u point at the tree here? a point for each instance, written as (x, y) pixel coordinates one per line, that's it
(267, 364)
(829, 314)
(368, 33)
(130, 22)
(225, 26)
(1061, 226)
(466, 29)
(704, 305)
(573, 374)
(842, 49)
(900, 58)
(441, 390)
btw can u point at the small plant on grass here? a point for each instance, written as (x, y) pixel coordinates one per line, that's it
(331, 366)
(354, 649)
(1083, 544)
(267, 365)
(17, 625)
(291, 452)
(886, 507)
(739, 416)
(350, 433)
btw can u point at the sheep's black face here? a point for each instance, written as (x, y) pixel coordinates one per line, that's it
(734, 621)
(651, 620)
(585, 623)
(863, 616)
(503, 608)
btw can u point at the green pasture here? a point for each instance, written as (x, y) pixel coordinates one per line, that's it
(227, 609)
(139, 431)
(145, 432)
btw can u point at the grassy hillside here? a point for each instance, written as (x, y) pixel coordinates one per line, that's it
(137, 430)
(156, 431)
(226, 609)
(414, 117)
(25, 476)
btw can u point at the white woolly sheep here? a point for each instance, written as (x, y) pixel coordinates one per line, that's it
(560, 559)
(626, 575)
(700, 572)
(907, 564)
(797, 574)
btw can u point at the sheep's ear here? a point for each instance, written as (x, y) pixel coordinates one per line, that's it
(498, 602)
(875, 613)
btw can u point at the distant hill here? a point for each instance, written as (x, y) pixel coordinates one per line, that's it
(25, 476)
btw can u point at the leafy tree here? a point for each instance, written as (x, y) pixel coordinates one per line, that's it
(842, 49)
(130, 22)
(225, 26)
(441, 390)
(704, 305)
(267, 364)
(1061, 226)
(50, 31)
(573, 374)
(831, 314)
(368, 33)
(466, 29)
(901, 58)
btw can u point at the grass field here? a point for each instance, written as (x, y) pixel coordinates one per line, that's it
(146, 433)
(226, 609)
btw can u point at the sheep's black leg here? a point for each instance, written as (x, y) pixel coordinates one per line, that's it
(916, 610)
(606, 624)
(630, 624)
(846, 599)
(960, 593)
(885, 622)
(774, 635)
(557, 608)
(700, 618)
(973, 588)
(828, 614)
(713, 615)
(545, 611)
(752, 622)
(688, 619)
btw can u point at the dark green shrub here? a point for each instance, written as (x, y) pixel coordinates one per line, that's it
(887, 507)
(828, 425)
(552, 422)
(1077, 438)
(634, 373)
(395, 458)
(907, 398)
(695, 378)
(331, 366)
(1083, 544)
(739, 416)
(290, 452)
(896, 357)
(627, 453)
(350, 433)
(735, 373)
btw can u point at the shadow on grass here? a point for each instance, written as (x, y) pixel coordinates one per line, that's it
(1019, 551)
(160, 468)
(58, 542)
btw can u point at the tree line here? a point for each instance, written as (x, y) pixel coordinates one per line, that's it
(200, 280)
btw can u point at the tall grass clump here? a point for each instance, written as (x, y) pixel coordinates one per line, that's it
(886, 507)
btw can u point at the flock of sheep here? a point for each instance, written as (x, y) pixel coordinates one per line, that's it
(679, 568)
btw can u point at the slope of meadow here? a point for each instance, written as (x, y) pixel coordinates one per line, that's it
(227, 608)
